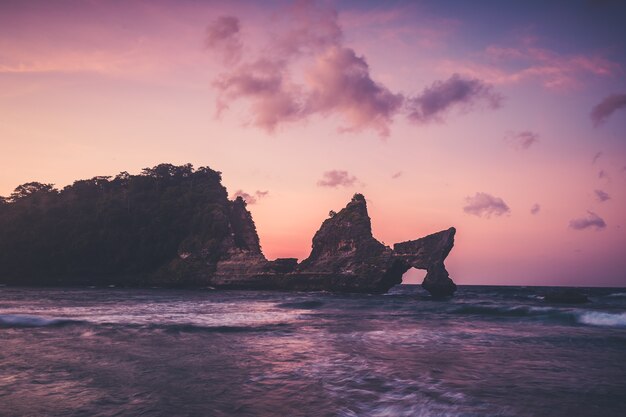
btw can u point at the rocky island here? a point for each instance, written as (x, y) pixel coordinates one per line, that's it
(175, 226)
(345, 257)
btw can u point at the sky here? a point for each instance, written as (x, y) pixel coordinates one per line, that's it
(505, 120)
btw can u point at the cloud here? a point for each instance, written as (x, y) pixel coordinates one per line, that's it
(222, 36)
(601, 111)
(596, 157)
(483, 204)
(522, 140)
(535, 209)
(592, 220)
(397, 175)
(273, 99)
(527, 61)
(456, 91)
(305, 70)
(340, 82)
(336, 178)
(251, 198)
(331, 78)
(602, 196)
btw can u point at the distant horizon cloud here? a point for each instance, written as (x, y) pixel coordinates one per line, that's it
(522, 140)
(483, 204)
(603, 110)
(535, 209)
(455, 92)
(397, 175)
(592, 220)
(336, 178)
(601, 195)
(251, 198)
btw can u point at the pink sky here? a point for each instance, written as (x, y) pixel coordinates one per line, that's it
(437, 117)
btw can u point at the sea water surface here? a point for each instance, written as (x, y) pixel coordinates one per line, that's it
(489, 351)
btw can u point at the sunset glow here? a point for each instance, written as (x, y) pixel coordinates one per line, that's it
(508, 124)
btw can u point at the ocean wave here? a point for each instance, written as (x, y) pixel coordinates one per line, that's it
(617, 294)
(19, 320)
(596, 318)
(577, 316)
(506, 311)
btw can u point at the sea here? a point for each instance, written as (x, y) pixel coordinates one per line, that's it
(488, 351)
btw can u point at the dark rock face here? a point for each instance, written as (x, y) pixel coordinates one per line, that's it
(345, 257)
(566, 297)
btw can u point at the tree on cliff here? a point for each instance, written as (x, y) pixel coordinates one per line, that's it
(104, 230)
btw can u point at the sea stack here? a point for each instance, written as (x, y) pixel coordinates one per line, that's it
(345, 257)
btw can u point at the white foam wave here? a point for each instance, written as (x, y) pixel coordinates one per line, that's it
(596, 318)
(617, 294)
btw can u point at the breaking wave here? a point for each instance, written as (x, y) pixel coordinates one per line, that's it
(596, 318)
(617, 294)
(577, 316)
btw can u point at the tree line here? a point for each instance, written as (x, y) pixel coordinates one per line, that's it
(124, 230)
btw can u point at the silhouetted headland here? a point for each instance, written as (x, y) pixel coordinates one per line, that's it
(175, 226)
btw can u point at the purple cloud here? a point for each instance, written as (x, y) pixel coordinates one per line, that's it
(222, 36)
(606, 107)
(331, 78)
(522, 140)
(397, 175)
(340, 82)
(535, 209)
(591, 221)
(483, 204)
(251, 198)
(441, 96)
(273, 99)
(602, 196)
(336, 178)
(306, 69)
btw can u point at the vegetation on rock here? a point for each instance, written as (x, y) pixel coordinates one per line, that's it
(129, 229)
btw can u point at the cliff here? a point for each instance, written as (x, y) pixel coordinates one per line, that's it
(174, 226)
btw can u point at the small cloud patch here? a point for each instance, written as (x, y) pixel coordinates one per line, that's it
(591, 221)
(337, 178)
(602, 196)
(485, 205)
(251, 198)
(456, 92)
(522, 140)
(601, 111)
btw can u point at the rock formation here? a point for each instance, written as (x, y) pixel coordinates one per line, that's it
(345, 257)
(174, 226)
